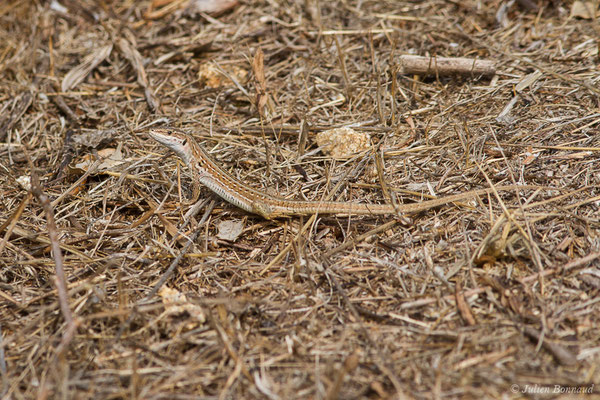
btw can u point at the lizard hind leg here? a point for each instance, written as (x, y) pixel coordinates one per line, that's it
(264, 210)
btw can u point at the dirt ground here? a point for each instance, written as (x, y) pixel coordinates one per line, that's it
(115, 284)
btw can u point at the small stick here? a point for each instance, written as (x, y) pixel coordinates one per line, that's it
(445, 66)
(560, 353)
(61, 280)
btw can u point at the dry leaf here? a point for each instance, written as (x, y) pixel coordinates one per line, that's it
(530, 156)
(210, 76)
(169, 7)
(583, 9)
(258, 67)
(135, 59)
(56, 6)
(93, 138)
(112, 158)
(230, 230)
(78, 74)
(160, 3)
(213, 7)
(463, 305)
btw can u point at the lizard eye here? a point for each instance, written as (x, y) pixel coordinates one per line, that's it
(169, 133)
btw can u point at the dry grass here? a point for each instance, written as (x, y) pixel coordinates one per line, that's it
(458, 302)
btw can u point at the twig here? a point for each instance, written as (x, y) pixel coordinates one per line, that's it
(579, 262)
(462, 305)
(61, 281)
(561, 354)
(3, 370)
(177, 259)
(21, 104)
(360, 238)
(302, 230)
(10, 223)
(439, 66)
(342, 60)
(135, 59)
(380, 362)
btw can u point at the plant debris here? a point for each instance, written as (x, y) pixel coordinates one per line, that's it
(115, 285)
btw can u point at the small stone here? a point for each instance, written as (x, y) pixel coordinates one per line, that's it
(343, 142)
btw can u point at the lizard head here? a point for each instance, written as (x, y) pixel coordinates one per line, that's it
(174, 140)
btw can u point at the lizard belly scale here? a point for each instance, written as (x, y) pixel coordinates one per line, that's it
(225, 194)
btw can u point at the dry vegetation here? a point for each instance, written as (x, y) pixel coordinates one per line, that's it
(461, 301)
